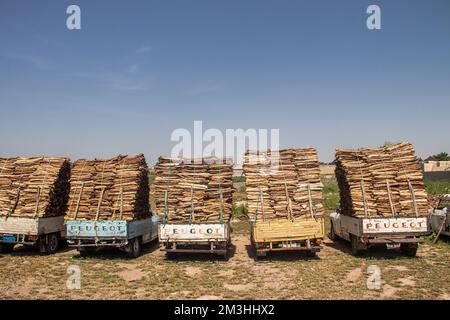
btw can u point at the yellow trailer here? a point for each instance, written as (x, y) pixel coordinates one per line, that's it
(287, 235)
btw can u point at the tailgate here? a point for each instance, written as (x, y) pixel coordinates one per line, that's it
(194, 232)
(19, 225)
(401, 225)
(285, 230)
(78, 229)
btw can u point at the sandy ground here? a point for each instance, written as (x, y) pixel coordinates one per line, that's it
(333, 274)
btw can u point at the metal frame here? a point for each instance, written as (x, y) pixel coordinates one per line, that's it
(215, 247)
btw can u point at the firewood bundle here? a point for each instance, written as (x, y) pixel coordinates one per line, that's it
(113, 189)
(284, 184)
(256, 170)
(385, 181)
(34, 187)
(194, 190)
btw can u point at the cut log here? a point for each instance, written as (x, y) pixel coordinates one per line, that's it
(381, 182)
(109, 189)
(34, 187)
(193, 190)
(284, 184)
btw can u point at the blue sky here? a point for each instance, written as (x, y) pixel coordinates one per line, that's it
(137, 70)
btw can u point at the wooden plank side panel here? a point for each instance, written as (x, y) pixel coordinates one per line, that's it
(18, 225)
(285, 230)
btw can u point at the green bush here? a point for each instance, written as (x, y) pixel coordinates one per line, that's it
(330, 195)
(238, 179)
(240, 211)
(437, 187)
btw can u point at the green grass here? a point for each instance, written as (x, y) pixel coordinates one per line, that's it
(444, 241)
(330, 195)
(238, 179)
(437, 187)
(240, 211)
(151, 177)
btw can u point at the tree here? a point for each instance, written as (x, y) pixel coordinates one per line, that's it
(442, 156)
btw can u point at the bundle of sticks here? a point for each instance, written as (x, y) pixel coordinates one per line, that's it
(385, 181)
(112, 189)
(34, 187)
(283, 184)
(193, 190)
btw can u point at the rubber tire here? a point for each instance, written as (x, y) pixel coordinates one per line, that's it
(332, 235)
(354, 244)
(52, 244)
(6, 247)
(134, 248)
(408, 250)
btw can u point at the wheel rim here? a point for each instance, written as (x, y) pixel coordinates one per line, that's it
(136, 246)
(52, 243)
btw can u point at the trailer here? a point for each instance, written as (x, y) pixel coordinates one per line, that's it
(440, 217)
(287, 235)
(305, 234)
(392, 232)
(43, 232)
(195, 238)
(129, 236)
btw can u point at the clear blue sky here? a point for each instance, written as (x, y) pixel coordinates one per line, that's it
(140, 69)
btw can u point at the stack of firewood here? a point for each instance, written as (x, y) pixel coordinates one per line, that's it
(283, 184)
(113, 189)
(256, 168)
(385, 181)
(34, 187)
(194, 190)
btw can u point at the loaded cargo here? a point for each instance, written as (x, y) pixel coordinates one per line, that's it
(440, 217)
(109, 205)
(284, 197)
(194, 202)
(382, 198)
(33, 201)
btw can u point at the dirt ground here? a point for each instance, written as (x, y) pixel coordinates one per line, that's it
(333, 274)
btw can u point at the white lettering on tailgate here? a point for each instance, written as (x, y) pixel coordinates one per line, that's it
(395, 225)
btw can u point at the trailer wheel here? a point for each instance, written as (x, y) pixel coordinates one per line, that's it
(356, 251)
(408, 249)
(6, 247)
(51, 243)
(226, 255)
(332, 236)
(134, 248)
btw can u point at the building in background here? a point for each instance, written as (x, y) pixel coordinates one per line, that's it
(431, 164)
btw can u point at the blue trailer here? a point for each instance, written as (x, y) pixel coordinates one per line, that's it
(129, 236)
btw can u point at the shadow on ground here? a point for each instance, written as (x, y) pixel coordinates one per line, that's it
(378, 252)
(289, 256)
(115, 253)
(172, 256)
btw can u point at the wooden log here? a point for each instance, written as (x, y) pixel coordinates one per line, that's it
(392, 178)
